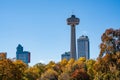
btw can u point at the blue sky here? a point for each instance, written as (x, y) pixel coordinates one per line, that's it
(40, 25)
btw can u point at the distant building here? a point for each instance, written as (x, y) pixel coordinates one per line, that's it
(66, 55)
(22, 55)
(83, 47)
(3, 55)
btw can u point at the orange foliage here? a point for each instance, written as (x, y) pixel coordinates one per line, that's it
(80, 74)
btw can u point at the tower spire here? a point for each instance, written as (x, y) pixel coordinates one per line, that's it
(73, 21)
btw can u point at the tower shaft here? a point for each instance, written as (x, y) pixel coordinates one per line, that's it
(73, 43)
(73, 21)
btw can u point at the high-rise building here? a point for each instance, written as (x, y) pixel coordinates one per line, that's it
(73, 21)
(22, 55)
(83, 47)
(66, 55)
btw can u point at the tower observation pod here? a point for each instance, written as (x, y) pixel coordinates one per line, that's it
(73, 21)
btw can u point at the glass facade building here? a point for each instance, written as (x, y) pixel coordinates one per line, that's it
(83, 47)
(66, 55)
(22, 55)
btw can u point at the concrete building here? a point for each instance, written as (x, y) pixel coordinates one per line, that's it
(73, 21)
(22, 55)
(83, 47)
(66, 55)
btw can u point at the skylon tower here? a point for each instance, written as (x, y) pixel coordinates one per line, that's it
(73, 21)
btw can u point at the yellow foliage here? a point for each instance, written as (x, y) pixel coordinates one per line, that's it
(63, 62)
(50, 74)
(83, 59)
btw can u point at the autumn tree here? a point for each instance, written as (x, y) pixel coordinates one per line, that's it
(64, 76)
(51, 64)
(32, 73)
(10, 70)
(2, 56)
(50, 74)
(40, 67)
(68, 67)
(107, 65)
(80, 74)
(90, 68)
(79, 70)
(20, 65)
(63, 63)
(110, 42)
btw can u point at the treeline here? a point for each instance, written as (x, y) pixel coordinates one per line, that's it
(105, 67)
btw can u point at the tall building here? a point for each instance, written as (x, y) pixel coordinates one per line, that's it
(83, 47)
(66, 55)
(22, 55)
(73, 21)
